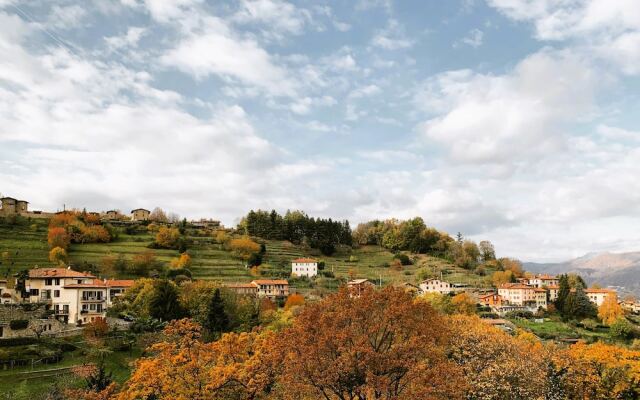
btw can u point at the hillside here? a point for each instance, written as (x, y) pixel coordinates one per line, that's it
(26, 245)
(607, 269)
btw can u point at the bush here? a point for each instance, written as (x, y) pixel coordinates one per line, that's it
(589, 324)
(255, 259)
(327, 274)
(403, 258)
(622, 329)
(519, 314)
(173, 273)
(18, 324)
(17, 341)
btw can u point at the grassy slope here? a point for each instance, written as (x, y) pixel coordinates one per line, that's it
(28, 248)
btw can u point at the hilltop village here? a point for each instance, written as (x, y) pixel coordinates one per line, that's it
(124, 284)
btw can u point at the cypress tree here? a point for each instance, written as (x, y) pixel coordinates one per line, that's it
(563, 292)
(217, 319)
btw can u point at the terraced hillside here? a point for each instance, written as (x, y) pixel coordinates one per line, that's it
(27, 247)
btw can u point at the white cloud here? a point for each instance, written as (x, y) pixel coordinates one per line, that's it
(129, 39)
(364, 91)
(392, 37)
(493, 119)
(278, 17)
(474, 38)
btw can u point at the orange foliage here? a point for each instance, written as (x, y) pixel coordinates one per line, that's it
(293, 300)
(243, 247)
(168, 237)
(609, 311)
(58, 237)
(184, 261)
(97, 328)
(58, 255)
(463, 304)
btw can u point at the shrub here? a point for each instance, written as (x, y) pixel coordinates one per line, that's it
(168, 238)
(621, 329)
(173, 273)
(403, 258)
(18, 324)
(255, 259)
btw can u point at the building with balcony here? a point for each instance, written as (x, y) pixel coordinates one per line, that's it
(272, 288)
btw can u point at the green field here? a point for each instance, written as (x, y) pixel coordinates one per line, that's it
(26, 245)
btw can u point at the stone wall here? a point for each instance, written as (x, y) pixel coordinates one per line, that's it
(39, 321)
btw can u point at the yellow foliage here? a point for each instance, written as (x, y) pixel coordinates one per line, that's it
(58, 255)
(167, 237)
(184, 261)
(463, 304)
(243, 247)
(609, 311)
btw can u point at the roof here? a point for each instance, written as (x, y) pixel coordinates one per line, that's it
(304, 260)
(357, 281)
(119, 282)
(85, 285)
(553, 287)
(514, 286)
(433, 280)
(270, 282)
(57, 273)
(114, 211)
(546, 276)
(22, 201)
(540, 290)
(242, 286)
(607, 291)
(8, 198)
(484, 296)
(140, 209)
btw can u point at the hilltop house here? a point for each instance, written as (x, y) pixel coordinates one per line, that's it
(491, 300)
(435, 286)
(140, 214)
(543, 280)
(11, 206)
(112, 214)
(244, 289)
(304, 267)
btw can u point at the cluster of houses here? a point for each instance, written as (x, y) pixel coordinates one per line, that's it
(10, 207)
(69, 296)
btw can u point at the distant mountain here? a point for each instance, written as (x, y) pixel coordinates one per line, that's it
(621, 270)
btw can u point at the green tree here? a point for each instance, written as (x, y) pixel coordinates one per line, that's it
(578, 305)
(217, 319)
(563, 292)
(164, 303)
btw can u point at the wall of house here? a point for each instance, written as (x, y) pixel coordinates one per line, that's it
(304, 269)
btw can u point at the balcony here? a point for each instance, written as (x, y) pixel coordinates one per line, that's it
(61, 312)
(92, 298)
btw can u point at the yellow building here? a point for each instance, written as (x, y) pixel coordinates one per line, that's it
(140, 214)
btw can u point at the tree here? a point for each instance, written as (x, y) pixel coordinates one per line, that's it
(158, 215)
(578, 305)
(58, 255)
(379, 345)
(217, 320)
(501, 277)
(609, 311)
(515, 266)
(487, 251)
(142, 263)
(463, 304)
(243, 247)
(164, 303)
(184, 261)
(563, 292)
(168, 237)
(621, 329)
(58, 237)
(295, 299)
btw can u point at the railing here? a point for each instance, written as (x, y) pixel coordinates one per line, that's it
(92, 298)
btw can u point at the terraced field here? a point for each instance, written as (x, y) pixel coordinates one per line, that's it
(27, 247)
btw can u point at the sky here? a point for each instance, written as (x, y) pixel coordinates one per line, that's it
(515, 121)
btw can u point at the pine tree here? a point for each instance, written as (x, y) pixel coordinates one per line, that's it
(563, 293)
(164, 304)
(217, 319)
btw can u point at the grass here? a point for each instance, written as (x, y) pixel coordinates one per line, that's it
(554, 328)
(27, 246)
(32, 383)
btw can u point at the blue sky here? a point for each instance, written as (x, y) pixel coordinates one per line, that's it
(509, 120)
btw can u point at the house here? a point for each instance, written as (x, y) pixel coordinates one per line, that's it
(304, 267)
(553, 292)
(523, 295)
(140, 214)
(543, 280)
(243, 289)
(491, 300)
(75, 297)
(116, 287)
(358, 286)
(272, 288)
(631, 306)
(11, 206)
(435, 286)
(112, 214)
(413, 289)
(205, 223)
(598, 296)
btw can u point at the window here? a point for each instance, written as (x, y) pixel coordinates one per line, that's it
(48, 282)
(57, 281)
(34, 292)
(56, 293)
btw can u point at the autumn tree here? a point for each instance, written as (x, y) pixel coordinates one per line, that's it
(168, 237)
(58, 255)
(142, 263)
(501, 277)
(58, 237)
(381, 345)
(463, 304)
(238, 366)
(195, 297)
(184, 261)
(609, 311)
(158, 215)
(295, 299)
(243, 247)
(487, 251)
(510, 264)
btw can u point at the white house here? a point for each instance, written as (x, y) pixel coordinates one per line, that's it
(304, 267)
(598, 296)
(523, 295)
(435, 286)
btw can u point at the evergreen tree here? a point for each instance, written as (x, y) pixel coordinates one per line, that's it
(578, 305)
(164, 304)
(217, 319)
(99, 380)
(563, 292)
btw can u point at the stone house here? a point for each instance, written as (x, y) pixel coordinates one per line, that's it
(140, 214)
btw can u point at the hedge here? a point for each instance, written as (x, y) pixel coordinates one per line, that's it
(18, 324)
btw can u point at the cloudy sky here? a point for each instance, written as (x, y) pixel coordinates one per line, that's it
(516, 121)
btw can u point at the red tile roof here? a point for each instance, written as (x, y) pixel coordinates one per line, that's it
(304, 260)
(119, 282)
(270, 282)
(242, 286)
(85, 285)
(57, 273)
(515, 286)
